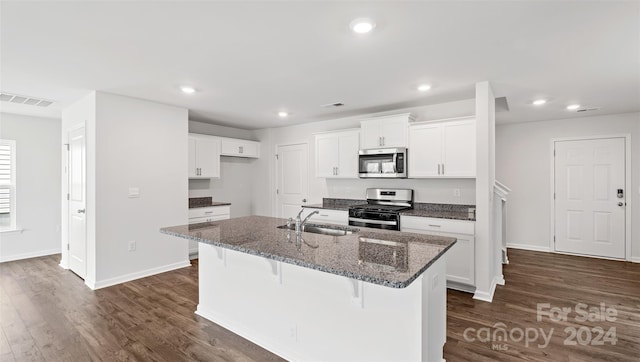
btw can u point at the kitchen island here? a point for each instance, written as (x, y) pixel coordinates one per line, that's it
(369, 295)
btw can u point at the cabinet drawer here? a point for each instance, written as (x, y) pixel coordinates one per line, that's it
(437, 225)
(328, 216)
(209, 211)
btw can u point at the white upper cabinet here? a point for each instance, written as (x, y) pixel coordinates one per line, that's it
(204, 156)
(337, 154)
(239, 148)
(387, 131)
(443, 149)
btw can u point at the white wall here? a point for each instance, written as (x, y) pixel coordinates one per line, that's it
(38, 150)
(427, 190)
(139, 144)
(236, 174)
(524, 165)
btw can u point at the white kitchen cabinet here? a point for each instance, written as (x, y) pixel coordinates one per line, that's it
(239, 148)
(337, 154)
(461, 257)
(206, 214)
(204, 156)
(387, 131)
(443, 149)
(324, 216)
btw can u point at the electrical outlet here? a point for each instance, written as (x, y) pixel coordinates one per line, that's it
(132, 245)
(456, 192)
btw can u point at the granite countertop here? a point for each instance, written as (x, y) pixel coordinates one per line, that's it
(441, 211)
(337, 204)
(213, 203)
(390, 258)
(196, 202)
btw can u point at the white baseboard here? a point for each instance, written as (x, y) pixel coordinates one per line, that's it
(460, 287)
(488, 296)
(635, 259)
(529, 247)
(137, 275)
(35, 254)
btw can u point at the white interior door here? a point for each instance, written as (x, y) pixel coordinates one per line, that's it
(589, 213)
(77, 202)
(292, 179)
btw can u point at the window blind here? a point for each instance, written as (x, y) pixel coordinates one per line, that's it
(7, 176)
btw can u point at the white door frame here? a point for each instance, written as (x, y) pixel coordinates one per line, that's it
(64, 234)
(276, 198)
(627, 180)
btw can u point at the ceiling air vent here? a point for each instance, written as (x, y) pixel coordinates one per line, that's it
(331, 105)
(587, 109)
(29, 101)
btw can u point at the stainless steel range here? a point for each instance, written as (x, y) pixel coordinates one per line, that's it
(383, 208)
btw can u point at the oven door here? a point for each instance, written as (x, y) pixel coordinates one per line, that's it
(376, 220)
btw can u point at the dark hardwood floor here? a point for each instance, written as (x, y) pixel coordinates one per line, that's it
(562, 281)
(47, 313)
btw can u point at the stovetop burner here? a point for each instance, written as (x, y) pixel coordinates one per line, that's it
(381, 208)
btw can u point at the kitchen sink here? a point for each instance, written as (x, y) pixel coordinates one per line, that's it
(333, 230)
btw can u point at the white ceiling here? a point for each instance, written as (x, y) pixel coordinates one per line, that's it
(250, 60)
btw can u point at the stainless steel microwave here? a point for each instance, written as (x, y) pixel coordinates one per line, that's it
(383, 163)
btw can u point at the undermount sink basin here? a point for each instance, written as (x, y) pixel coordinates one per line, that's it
(332, 230)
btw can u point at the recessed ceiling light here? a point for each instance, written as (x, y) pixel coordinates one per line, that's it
(362, 25)
(539, 102)
(573, 107)
(187, 89)
(424, 87)
(283, 114)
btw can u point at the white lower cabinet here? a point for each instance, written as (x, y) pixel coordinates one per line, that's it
(461, 257)
(206, 214)
(323, 216)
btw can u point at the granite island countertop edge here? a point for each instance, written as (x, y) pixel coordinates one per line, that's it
(322, 268)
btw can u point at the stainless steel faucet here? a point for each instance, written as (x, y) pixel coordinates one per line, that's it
(300, 223)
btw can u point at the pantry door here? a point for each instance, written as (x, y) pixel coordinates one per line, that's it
(77, 242)
(292, 179)
(590, 193)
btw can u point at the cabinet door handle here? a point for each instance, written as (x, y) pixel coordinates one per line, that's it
(435, 226)
(208, 212)
(240, 149)
(443, 168)
(438, 169)
(383, 140)
(337, 171)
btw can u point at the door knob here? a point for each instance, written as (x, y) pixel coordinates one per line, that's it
(81, 211)
(304, 200)
(620, 204)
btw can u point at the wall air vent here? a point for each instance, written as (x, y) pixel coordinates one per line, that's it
(331, 105)
(587, 109)
(29, 101)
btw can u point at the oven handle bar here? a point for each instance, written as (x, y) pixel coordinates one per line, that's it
(370, 221)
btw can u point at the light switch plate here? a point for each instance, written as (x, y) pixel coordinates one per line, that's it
(134, 192)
